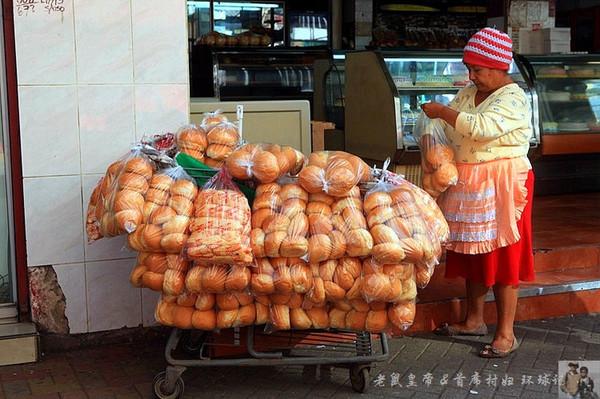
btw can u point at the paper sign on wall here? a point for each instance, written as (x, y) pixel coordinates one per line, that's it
(25, 8)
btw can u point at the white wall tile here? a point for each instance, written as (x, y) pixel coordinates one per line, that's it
(103, 38)
(53, 220)
(112, 301)
(106, 124)
(160, 108)
(105, 248)
(149, 301)
(45, 48)
(160, 41)
(49, 131)
(71, 278)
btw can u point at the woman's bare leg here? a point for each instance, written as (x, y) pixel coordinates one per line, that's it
(476, 293)
(506, 307)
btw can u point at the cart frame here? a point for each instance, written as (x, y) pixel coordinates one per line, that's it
(169, 384)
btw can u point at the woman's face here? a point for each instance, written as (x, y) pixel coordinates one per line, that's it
(485, 79)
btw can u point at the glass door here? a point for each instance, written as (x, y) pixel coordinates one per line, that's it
(6, 280)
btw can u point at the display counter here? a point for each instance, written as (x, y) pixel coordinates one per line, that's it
(279, 122)
(569, 92)
(384, 92)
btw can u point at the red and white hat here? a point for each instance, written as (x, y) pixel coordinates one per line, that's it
(489, 48)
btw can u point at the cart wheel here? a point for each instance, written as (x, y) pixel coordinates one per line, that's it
(359, 378)
(160, 381)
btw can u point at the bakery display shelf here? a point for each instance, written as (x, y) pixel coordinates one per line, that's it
(251, 346)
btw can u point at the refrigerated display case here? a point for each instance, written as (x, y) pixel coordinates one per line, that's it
(384, 91)
(569, 99)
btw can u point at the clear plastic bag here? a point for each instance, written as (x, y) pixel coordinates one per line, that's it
(337, 227)
(161, 148)
(160, 272)
(235, 309)
(122, 195)
(264, 162)
(212, 119)
(402, 314)
(217, 279)
(92, 224)
(181, 311)
(404, 226)
(222, 140)
(220, 230)
(279, 221)
(334, 173)
(191, 140)
(167, 211)
(437, 157)
(149, 271)
(291, 315)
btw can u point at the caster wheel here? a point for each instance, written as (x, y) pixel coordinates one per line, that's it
(159, 387)
(359, 378)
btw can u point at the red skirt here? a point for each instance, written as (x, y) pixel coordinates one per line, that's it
(507, 265)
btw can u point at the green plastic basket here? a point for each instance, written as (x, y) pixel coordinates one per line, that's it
(203, 173)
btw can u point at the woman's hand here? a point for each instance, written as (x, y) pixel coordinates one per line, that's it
(433, 110)
(436, 110)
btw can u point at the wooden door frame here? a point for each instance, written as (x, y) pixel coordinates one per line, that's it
(16, 176)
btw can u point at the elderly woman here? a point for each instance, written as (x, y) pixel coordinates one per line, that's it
(489, 210)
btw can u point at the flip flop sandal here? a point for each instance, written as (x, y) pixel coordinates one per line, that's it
(489, 352)
(449, 331)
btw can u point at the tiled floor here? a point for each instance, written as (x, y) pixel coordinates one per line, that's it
(127, 370)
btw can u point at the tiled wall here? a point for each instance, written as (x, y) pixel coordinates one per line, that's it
(93, 79)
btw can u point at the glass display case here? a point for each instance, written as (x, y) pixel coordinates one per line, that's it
(569, 91)
(236, 23)
(308, 29)
(389, 88)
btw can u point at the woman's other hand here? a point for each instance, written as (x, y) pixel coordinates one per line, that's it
(433, 110)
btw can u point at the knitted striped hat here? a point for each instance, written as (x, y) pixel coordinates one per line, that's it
(489, 48)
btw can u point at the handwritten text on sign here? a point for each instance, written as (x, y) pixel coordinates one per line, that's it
(27, 7)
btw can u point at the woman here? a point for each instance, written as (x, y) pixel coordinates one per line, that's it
(489, 210)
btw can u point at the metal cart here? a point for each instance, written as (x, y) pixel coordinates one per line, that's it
(355, 351)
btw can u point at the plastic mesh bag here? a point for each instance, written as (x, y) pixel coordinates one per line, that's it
(437, 157)
(220, 230)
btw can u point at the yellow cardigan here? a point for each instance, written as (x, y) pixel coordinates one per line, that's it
(498, 128)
